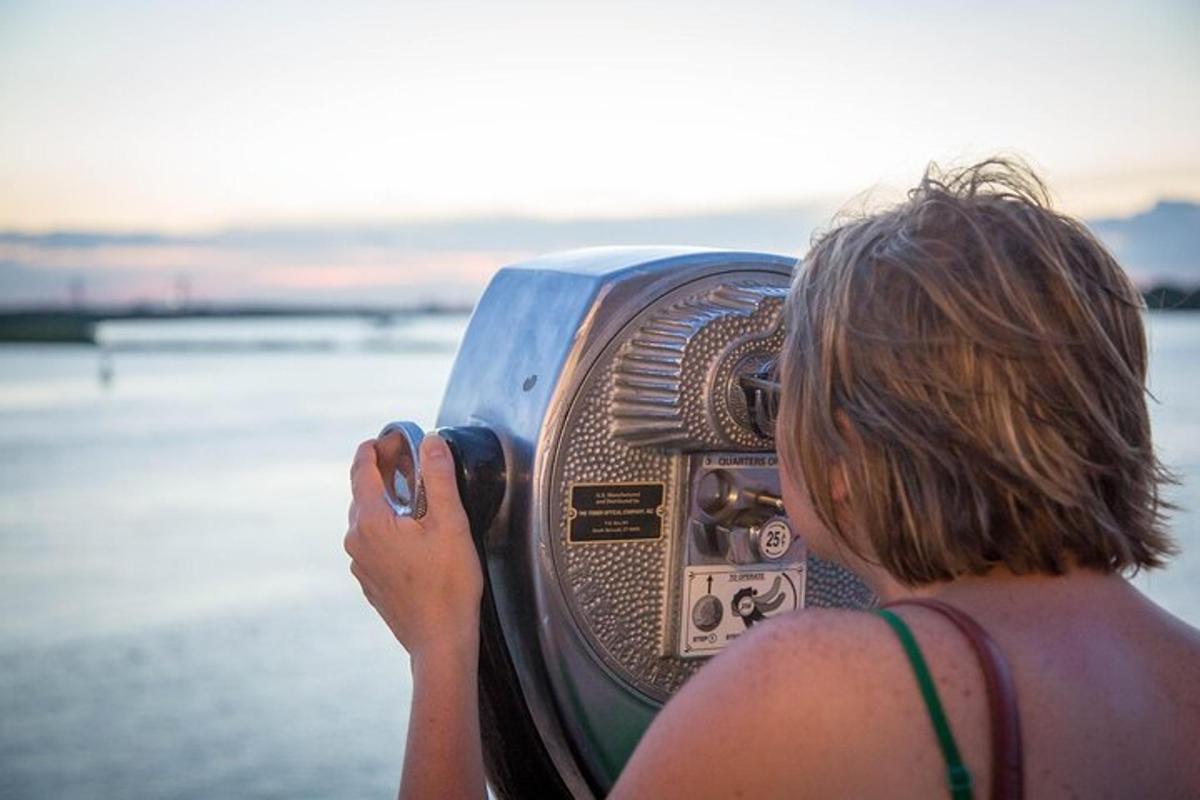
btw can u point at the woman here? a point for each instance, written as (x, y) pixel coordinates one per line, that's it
(962, 418)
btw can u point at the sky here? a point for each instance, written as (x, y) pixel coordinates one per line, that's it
(188, 118)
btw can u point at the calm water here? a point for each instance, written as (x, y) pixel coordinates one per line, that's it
(176, 616)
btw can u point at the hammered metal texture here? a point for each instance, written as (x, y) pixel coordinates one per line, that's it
(831, 586)
(658, 390)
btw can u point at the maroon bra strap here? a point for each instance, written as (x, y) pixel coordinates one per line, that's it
(1007, 766)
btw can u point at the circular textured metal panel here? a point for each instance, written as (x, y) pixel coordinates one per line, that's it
(657, 391)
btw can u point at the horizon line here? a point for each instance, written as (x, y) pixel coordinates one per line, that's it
(170, 234)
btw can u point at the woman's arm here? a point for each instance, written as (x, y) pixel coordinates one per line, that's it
(424, 579)
(443, 756)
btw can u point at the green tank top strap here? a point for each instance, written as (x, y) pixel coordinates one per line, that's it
(957, 774)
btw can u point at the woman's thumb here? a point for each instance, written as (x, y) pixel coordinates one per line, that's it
(437, 473)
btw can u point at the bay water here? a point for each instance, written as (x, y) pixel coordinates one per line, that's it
(177, 619)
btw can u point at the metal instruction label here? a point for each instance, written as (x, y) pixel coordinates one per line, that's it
(741, 460)
(720, 603)
(616, 512)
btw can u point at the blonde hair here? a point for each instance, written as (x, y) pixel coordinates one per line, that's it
(976, 363)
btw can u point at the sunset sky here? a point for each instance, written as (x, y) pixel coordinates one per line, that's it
(186, 119)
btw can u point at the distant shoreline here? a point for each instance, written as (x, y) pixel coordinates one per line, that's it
(78, 326)
(1172, 298)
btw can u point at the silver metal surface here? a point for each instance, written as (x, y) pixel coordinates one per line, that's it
(399, 457)
(620, 366)
(666, 377)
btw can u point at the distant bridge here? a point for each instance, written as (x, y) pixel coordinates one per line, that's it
(78, 326)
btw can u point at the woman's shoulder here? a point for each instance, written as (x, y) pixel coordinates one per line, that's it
(824, 695)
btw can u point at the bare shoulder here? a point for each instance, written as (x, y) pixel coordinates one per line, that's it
(810, 701)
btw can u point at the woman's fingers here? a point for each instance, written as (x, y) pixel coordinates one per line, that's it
(437, 475)
(366, 484)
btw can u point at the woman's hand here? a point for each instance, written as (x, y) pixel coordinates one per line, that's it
(422, 576)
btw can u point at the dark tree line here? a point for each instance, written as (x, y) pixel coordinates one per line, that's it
(1172, 298)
